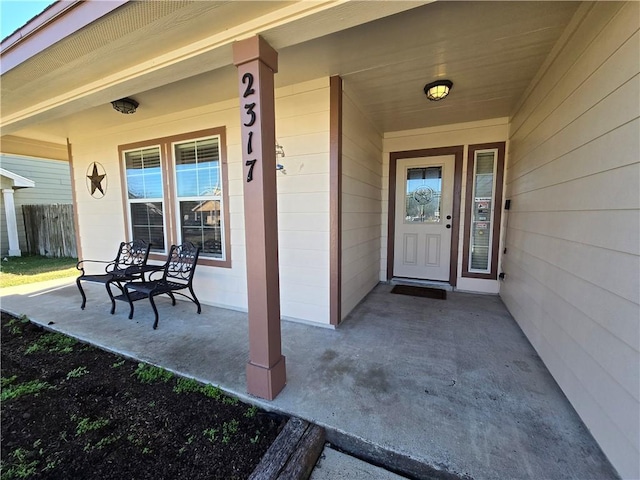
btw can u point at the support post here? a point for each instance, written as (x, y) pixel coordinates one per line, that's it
(257, 62)
(12, 223)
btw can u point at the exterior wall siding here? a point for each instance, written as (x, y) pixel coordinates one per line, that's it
(485, 131)
(573, 264)
(361, 204)
(302, 128)
(52, 185)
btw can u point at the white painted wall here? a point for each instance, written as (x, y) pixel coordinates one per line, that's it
(469, 133)
(302, 128)
(53, 185)
(361, 204)
(573, 239)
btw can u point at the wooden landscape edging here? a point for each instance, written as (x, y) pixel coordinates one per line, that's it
(293, 454)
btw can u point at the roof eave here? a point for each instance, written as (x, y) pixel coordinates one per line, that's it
(59, 20)
(18, 181)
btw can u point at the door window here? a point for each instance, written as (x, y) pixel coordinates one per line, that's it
(423, 195)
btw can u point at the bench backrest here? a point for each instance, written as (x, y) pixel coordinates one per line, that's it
(181, 263)
(131, 254)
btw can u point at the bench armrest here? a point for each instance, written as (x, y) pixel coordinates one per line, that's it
(80, 264)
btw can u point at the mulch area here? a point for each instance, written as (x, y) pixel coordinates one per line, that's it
(72, 411)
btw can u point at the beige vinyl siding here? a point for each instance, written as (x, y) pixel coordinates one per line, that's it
(361, 204)
(52, 185)
(302, 128)
(573, 238)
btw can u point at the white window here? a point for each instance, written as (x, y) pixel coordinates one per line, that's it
(145, 196)
(175, 192)
(199, 195)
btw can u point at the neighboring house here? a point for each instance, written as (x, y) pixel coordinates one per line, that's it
(10, 236)
(48, 182)
(543, 116)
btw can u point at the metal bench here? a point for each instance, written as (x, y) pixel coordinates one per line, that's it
(177, 276)
(127, 266)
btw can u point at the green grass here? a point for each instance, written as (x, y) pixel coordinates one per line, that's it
(31, 269)
(151, 374)
(19, 465)
(103, 442)
(251, 412)
(87, 425)
(210, 434)
(77, 372)
(11, 390)
(25, 463)
(229, 429)
(184, 385)
(52, 342)
(15, 324)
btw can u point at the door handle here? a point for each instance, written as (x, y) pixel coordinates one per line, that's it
(448, 217)
(448, 226)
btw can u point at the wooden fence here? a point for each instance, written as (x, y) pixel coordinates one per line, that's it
(50, 230)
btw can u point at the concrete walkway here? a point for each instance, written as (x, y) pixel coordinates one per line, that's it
(334, 465)
(428, 388)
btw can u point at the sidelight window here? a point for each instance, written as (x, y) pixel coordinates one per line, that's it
(483, 210)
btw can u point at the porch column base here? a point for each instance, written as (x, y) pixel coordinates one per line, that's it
(266, 382)
(15, 253)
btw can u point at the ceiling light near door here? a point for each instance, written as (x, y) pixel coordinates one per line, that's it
(437, 90)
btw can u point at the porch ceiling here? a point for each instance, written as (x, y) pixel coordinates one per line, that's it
(172, 56)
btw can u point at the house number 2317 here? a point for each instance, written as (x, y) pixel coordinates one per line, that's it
(247, 80)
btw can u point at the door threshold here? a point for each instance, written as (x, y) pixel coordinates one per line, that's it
(421, 283)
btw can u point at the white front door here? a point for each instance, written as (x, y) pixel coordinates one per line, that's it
(424, 204)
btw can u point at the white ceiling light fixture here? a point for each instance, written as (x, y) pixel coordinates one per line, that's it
(436, 91)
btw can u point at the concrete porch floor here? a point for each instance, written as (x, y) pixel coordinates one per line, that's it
(420, 385)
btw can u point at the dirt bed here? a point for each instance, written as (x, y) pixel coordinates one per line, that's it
(72, 411)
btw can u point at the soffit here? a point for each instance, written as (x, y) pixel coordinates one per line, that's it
(144, 45)
(132, 34)
(490, 50)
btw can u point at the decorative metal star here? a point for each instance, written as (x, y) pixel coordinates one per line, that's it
(96, 180)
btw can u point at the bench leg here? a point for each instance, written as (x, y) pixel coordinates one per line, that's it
(173, 299)
(84, 297)
(126, 294)
(195, 299)
(155, 311)
(113, 300)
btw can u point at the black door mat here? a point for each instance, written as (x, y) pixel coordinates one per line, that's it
(420, 291)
